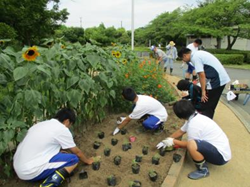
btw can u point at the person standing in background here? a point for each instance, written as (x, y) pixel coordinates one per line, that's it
(171, 56)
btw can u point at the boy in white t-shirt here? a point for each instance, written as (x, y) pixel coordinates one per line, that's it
(144, 105)
(38, 156)
(206, 140)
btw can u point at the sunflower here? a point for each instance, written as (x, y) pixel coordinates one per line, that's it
(113, 53)
(1, 42)
(63, 46)
(118, 54)
(31, 53)
(113, 44)
(124, 61)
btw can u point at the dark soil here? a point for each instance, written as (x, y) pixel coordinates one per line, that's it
(123, 172)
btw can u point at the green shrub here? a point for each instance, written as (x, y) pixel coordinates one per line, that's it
(230, 58)
(224, 51)
(7, 32)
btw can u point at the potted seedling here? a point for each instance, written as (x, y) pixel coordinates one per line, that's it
(83, 174)
(117, 160)
(135, 167)
(134, 183)
(96, 164)
(111, 180)
(107, 151)
(123, 131)
(126, 145)
(101, 135)
(156, 159)
(96, 145)
(162, 152)
(153, 175)
(114, 141)
(176, 157)
(170, 148)
(145, 150)
(138, 158)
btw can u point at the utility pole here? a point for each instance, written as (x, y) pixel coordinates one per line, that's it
(121, 24)
(81, 22)
(132, 26)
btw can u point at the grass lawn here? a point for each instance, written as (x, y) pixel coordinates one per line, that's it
(243, 66)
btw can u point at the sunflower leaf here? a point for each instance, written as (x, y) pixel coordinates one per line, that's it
(20, 72)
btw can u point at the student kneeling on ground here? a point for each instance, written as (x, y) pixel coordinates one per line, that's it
(38, 156)
(144, 105)
(206, 140)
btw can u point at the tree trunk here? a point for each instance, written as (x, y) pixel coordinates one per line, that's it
(218, 40)
(229, 44)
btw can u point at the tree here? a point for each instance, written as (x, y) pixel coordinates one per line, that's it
(71, 34)
(7, 32)
(32, 20)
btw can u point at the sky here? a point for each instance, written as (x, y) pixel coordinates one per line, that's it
(117, 13)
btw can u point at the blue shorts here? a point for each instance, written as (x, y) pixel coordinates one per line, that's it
(210, 153)
(58, 161)
(151, 122)
(190, 68)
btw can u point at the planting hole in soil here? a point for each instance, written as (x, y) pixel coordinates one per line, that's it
(83, 174)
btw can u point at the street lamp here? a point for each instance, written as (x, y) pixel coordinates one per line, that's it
(132, 26)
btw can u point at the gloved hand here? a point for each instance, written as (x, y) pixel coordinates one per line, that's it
(116, 131)
(120, 120)
(165, 143)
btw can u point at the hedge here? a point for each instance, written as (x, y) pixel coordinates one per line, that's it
(230, 58)
(246, 54)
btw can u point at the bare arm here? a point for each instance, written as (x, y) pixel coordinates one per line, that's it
(81, 156)
(202, 77)
(177, 134)
(125, 122)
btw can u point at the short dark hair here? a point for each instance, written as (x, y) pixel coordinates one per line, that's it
(65, 114)
(183, 85)
(198, 41)
(183, 109)
(183, 51)
(129, 94)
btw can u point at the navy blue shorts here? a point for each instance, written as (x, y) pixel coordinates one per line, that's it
(190, 69)
(151, 122)
(58, 161)
(210, 153)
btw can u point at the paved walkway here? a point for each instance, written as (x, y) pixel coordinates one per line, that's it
(236, 173)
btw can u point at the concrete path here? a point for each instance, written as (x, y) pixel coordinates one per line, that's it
(236, 173)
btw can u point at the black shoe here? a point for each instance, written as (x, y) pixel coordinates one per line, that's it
(159, 130)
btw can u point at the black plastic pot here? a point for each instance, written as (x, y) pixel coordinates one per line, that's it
(117, 160)
(135, 168)
(123, 131)
(107, 151)
(136, 184)
(96, 165)
(155, 160)
(83, 175)
(126, 146)
(138, 158)
(176, 157)
(101, 135)
(114, 141)
(96, 145)
(145, 150)
(162, 152)
(153, 176)
(111, 180)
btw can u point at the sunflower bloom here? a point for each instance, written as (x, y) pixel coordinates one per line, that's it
(31, 53)
(113, 53)
(63, 46)
(118, 54)
(124, 61)
(1, 42)
(159, 86)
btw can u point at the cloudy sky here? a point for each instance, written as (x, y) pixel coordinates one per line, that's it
(117, 12)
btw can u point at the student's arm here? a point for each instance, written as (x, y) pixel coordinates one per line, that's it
(81, 156)
(202, 77)
(125, 122)
(177, 134)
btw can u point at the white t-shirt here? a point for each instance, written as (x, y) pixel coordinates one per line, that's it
(201, 127)
(216, 74)
(43, 141)
(149, 105)
(192, 47)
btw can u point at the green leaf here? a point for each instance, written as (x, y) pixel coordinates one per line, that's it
(3, 147)
(93, 59)
(6, 62)
(81, 65)
(85, 85)
(42, 69)
(112, 93)
(3, 80)
(74, 97)
(20, 72)
(8, 135)
(72, 81)
(103, 101)
(21, 135)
